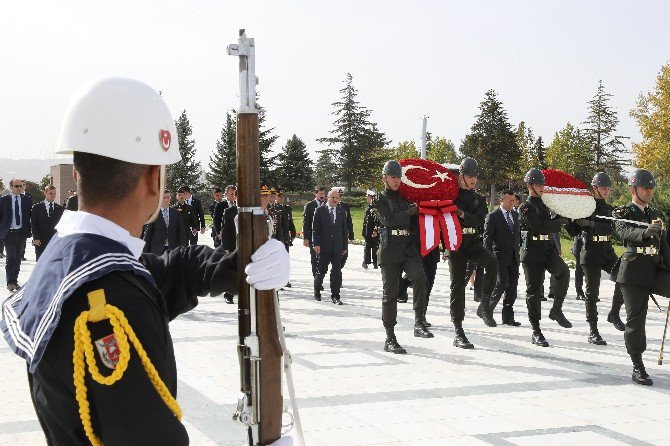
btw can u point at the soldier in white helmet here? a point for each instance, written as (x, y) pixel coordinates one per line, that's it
(94, 292)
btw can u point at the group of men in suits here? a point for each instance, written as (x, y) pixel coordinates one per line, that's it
(327, 228)
(20, 220)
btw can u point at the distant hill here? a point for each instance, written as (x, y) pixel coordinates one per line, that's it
(28, 169)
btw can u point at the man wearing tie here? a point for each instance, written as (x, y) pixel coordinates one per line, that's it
(14, 229)
(43, 219)
(330, 238)
(167, 231)
(502, 237)
(196, 204)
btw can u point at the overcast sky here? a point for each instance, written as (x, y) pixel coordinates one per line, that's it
(407, 58)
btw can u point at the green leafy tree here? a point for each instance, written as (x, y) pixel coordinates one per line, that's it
(406, 149)
(570, 151)
(223, 162)
(600, 128)
(373, 157)
(45, 181)
(492, 142)
(294, 166)
(652, 114)
(442, 150)
(353, 135)
(34, 190)
(187, 171)
(376, 160)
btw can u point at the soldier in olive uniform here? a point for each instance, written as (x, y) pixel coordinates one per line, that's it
(397, 253)
(370, 234)
(539, 254)
(597, 254)
(471, 213)
(643, 268)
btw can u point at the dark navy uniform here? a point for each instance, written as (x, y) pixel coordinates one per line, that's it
(370, 235)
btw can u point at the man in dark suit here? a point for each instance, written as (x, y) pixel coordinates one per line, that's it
(502, 236)
(167, 231)
(350, 223)
(43, 218)
(14, 229)
(188, 216)
(72, 202)
(218, 198)
(330, 238)
(307, 219)
(196, 204)
(219, 210)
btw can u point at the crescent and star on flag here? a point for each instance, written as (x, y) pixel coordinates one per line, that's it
(442, 176)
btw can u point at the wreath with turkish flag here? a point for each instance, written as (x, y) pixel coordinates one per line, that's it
(434, 188)
(566, 195)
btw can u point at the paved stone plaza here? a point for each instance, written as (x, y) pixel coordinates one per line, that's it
(504, 392)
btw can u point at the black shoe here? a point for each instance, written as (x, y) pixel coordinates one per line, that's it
(321, 289)
(461, 341)
(558, 316)
(543, 299)
(336, 300)
(616, 321)
(375, 267)
(11, 287)
(420, 331)
(317, 297)
(24, 259)
(402, 299)
(392, 346)
(512, 322)
(551, 295)
(538, 339)
(484, 312)
(640, 375)
(595, 338)
(228, 298)
(580, 296)
(365, 265)
(288, 285)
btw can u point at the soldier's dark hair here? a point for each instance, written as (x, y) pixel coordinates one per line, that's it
(217, 190)
(102, 179)
(185, 189)
(230, 186)
(507, 192)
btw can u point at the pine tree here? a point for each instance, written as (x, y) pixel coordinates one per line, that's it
(600, 131)
(354, 135)
(540, 153)
(492, 142)
(187, 171)
(525, 140)
(652, 114)
(325, 172)
(294, 167)
(442, 151)
(265, 141)
(223, 162)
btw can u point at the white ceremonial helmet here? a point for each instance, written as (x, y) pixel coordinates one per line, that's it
(123, 119)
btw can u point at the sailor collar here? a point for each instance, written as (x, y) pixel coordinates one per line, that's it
(81, 222)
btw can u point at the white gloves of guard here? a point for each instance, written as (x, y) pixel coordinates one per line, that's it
(270, 266)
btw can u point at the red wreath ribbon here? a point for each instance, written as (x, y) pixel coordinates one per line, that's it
(438, 220)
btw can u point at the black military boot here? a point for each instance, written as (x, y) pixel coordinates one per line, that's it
(424, 321)
(460, 340)
(484, 310)
(391, 345)
(556, 314)
(614, 318)
(640, 375)
(420, 330)
(594, 337)
(538, 339)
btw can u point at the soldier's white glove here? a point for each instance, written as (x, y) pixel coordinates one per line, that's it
(270, 266)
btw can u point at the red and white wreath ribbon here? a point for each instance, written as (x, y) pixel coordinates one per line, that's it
(438, 220)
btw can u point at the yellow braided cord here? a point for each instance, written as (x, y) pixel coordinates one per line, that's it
(83, 348)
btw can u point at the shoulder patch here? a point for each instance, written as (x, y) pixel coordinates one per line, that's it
(109, 352)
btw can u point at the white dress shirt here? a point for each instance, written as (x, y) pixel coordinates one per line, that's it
(81, 222)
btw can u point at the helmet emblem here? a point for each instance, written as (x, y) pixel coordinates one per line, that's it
(165, 138)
